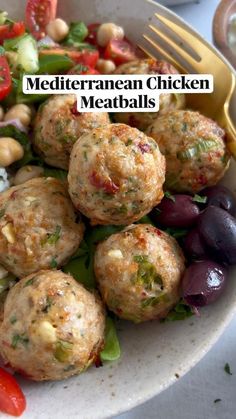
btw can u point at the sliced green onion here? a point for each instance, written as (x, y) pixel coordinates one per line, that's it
(201, 147)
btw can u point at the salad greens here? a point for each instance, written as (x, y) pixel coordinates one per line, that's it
(111, 351)
(77, 33)
(81, 264)
(53, 64)
(180, 312)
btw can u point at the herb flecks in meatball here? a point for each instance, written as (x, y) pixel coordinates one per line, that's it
(52, 327)
(38, 228)
(116, 174)
(194, 147)
(139, 272)
(58, 126)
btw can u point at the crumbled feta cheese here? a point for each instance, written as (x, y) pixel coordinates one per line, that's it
(47, 332)
(115, 253)
(9, 232)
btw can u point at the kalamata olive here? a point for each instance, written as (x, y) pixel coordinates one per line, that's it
(203, 283)
(217, 228)
(220, 196)
(176, 211)
(194, 246)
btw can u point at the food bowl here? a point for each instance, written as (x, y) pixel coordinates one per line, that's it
(154, 354)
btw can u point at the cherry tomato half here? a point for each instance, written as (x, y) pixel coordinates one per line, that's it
(38, 14)
(120, 51)
(12, 400)
(11, 30)
(5, 77)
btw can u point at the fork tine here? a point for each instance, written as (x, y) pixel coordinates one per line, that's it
(186, 36)
(163, 53)
(170, 42)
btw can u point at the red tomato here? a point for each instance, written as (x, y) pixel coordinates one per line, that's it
(5, 77)
(82, 69)
(12, 400)
(86, 57)
(92, 33)
(38, 14)
(119, 51)
(11, 30)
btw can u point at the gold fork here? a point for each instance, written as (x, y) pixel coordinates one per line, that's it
(204, 60)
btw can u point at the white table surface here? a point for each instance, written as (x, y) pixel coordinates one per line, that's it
(192, 397)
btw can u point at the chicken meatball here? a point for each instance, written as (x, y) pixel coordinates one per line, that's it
(38, 228)
(139, 271)
(116, 174)
(167, 101)
(52, 328)
(196, 154)
(58, 125)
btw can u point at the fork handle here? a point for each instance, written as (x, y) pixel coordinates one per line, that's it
(230, 129)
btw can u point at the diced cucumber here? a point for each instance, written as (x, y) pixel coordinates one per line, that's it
(28, 54)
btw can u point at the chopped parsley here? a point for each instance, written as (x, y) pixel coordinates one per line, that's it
(22, 339)
(169, 196)
(146, 274)
(53, 263)
(129, 142)
(54, 237)
(200, 199)
(227, 369)
(152, 301)
(177, 233)
(13, 319)
(29, 282)
(180, 312)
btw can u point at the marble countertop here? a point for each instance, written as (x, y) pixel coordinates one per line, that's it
(193, 396)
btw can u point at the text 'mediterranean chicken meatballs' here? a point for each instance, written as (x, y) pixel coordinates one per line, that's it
(167, 101)
(38, 228)
(53, 327)
(58, 126)
(116, 174)
(139, 271)
(195, 150)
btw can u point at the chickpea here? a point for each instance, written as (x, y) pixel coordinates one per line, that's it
(105, 66)
(108, 31)
(1, 113)
(10, 151)
(21, 112)
(57, 29)
(26, 173)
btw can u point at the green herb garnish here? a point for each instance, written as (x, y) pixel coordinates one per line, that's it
(111, 350)
(199, 198)
(53, 237)
(29, 282)
(22, 339)
(169, 196)
(227, 369)
(180, 312)
(53, 263)
(146, 274)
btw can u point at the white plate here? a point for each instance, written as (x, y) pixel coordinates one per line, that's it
(152, 353)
